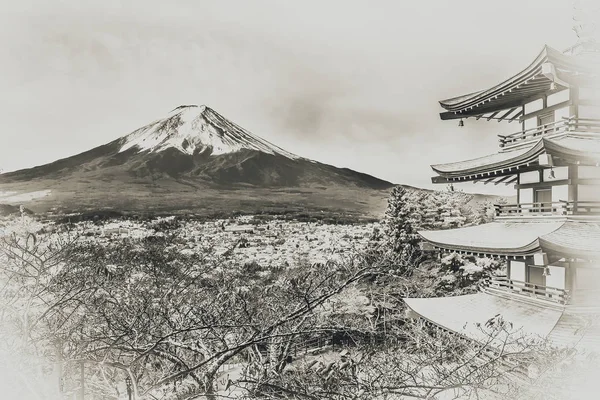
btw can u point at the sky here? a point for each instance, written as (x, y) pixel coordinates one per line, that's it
(350, 83)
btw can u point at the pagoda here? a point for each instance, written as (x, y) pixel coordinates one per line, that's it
(550, 238)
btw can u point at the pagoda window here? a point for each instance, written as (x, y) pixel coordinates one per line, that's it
(543, 199)
(546, 121)
(536, 275)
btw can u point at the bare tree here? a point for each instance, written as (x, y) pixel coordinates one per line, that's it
(425, 364)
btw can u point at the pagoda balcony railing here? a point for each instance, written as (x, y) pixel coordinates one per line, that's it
(582, 207)
(528, 289)
(552, 129)
(544, 209)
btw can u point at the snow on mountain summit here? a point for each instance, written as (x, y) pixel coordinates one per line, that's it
(194, 129)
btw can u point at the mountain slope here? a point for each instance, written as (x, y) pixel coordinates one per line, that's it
(193, 147)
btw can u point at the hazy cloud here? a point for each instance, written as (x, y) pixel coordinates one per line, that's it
(352, 83)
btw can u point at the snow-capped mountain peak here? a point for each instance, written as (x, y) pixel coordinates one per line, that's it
(194, 129)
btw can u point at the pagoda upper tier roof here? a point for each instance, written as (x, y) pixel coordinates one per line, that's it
(565, 238)
(569, 149)
(551, 70)
(509, 238)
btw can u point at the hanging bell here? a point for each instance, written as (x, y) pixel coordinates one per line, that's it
(461, 123)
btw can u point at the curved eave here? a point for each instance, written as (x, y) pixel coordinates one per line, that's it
(492, 165)
(570, 149)
(509, 239)
(573, 150)
(480, 98)
(574, 240)
(465, 314)
(532, 82)
(524, 251)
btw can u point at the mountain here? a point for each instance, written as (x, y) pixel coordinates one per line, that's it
(194, 159)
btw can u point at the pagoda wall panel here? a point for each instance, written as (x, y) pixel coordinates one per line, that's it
(589, 94)
(585, 276)
(559, 193)
(529, 177)
(588, 193)
(530, 123)
(588, 172)
(526, 196)
(589, 111)
(556, 278)
(534, 106)
(562, 113)
(557, 98)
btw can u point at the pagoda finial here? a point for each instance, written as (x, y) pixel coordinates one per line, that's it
(586, 24)
(586, 20)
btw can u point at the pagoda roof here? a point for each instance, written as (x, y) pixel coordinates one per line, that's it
(506, 238)
(574, 239)
(465, 314)
(575, 149)
(571, 148)
(536, 80)
(577, 330)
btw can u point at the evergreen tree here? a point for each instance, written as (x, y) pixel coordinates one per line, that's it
(410, 211)
(400, 225)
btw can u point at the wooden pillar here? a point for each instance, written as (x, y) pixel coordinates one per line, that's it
(569, 276)
(518, 190)
(574, 98)
(573, 177)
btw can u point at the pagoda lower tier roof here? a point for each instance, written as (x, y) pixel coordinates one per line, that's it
(571, 148)
(504, 238)
(467, 315)
(574, 239)
(577, 330)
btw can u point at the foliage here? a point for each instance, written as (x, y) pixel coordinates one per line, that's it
(184, 324)
(462, 274)
(410, 211)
